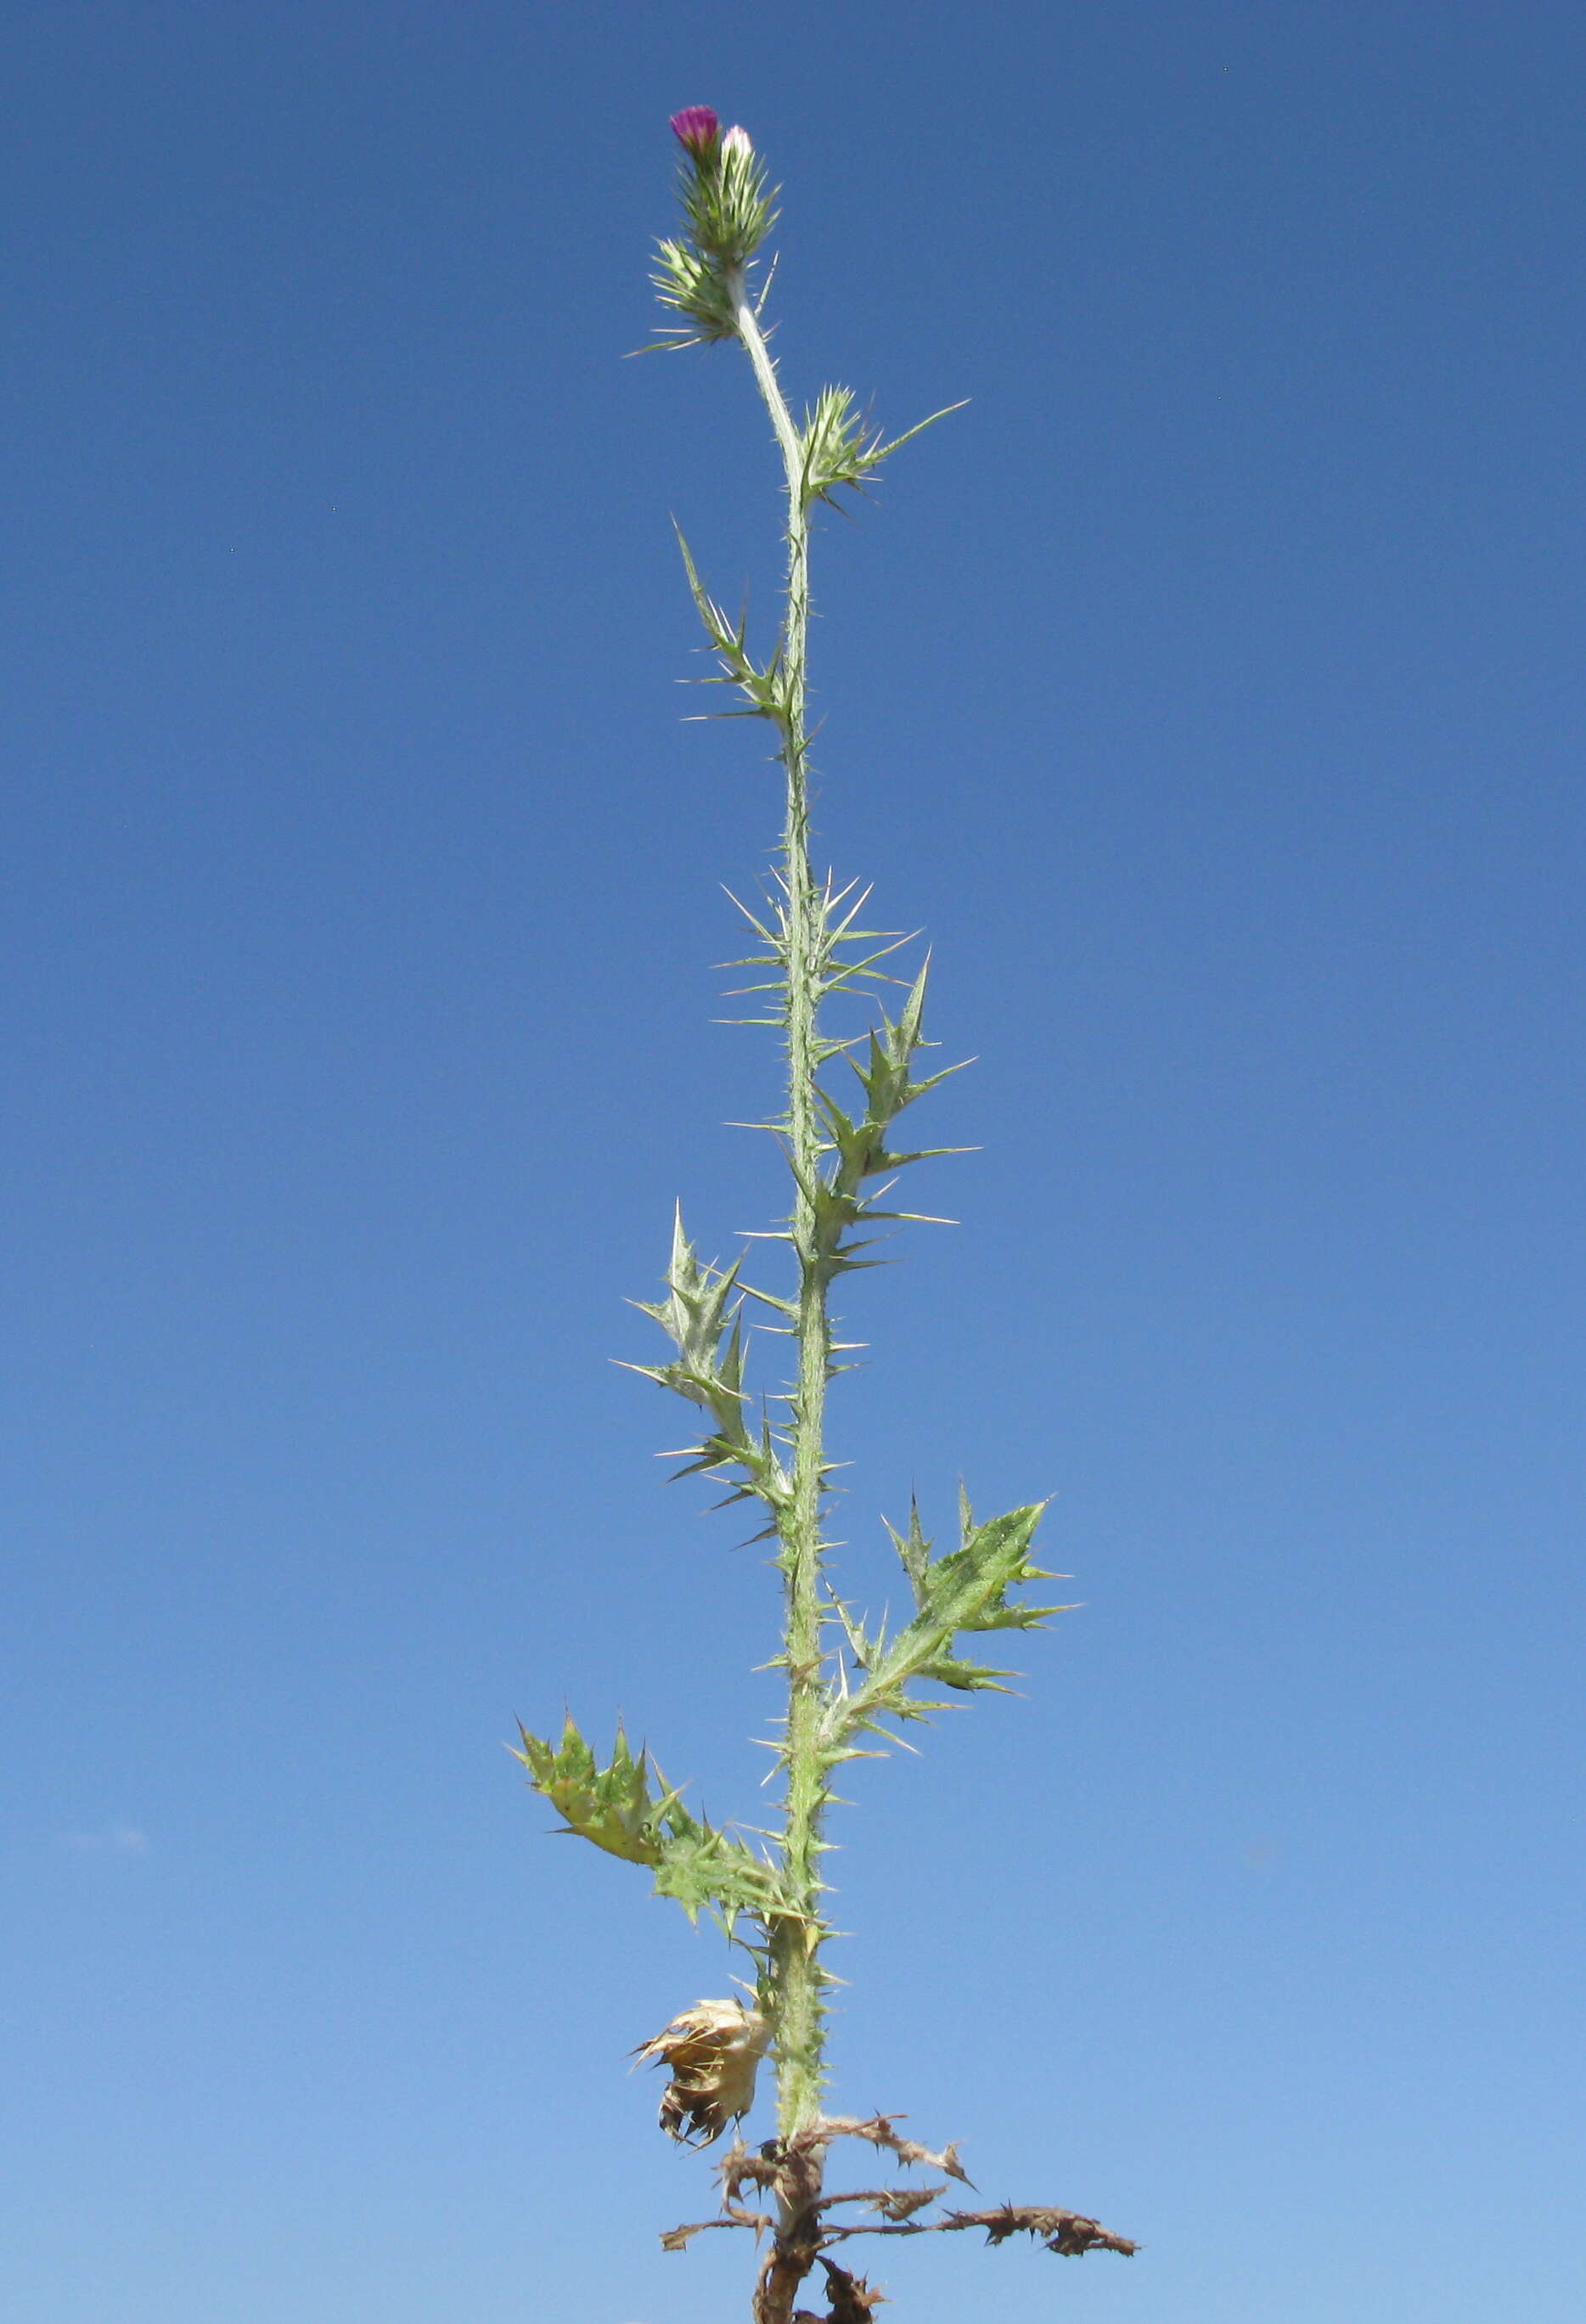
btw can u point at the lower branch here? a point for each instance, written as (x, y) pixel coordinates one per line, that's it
(789, 2171)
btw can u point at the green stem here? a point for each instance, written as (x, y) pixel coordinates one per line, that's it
(797, 1978)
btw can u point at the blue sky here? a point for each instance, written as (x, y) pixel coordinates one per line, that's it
(1210, 690)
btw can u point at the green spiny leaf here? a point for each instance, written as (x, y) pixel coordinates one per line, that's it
(914, 1550)
(838, 449)
(964, 1591)
(613, 1808)
(765, 691)
(699, 1867)
(694, 286)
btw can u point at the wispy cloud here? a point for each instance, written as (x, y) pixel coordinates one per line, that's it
(113, 1840)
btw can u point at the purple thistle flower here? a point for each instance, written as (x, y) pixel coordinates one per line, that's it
(695, 127)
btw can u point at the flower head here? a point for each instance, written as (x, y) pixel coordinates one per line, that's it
(711, 2050)
(727, 214)
(696, 128)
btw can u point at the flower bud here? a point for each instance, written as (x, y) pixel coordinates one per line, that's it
(695, 127)
(736, 141)
(711, 2050)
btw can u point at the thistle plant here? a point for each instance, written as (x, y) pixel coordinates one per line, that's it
(848, 1683)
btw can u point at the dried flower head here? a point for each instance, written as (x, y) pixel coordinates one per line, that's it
(712, 2052)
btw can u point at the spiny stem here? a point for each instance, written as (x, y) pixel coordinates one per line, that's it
(795, 1973)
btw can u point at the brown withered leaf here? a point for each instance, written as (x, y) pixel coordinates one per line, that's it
(732, 2214)
(892, 2202)
(877, 2129)
(677, 2239)
(902, 2202)
(742, 2166)
(853, 2301)
(1068, 2233)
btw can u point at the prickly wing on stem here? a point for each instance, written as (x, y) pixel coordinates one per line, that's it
(836, 1197)
(886, 1081)
(764, 690)
(701, 1316)
(888, 1078)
